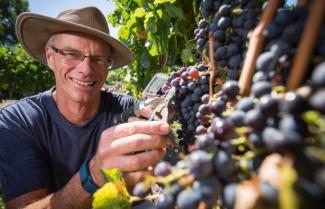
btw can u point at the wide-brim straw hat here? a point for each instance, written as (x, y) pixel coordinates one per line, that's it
(34, 30)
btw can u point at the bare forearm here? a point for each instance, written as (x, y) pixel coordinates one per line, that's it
(69, 197)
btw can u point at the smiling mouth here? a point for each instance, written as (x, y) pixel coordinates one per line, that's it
(83, 83)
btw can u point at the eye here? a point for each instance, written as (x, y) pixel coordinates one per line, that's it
(99, 60)
(71, 54)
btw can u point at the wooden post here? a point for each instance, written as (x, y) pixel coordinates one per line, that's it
(255, 47)
(213, 67)
(306, 45)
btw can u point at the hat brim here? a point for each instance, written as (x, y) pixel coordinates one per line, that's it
(34, 30)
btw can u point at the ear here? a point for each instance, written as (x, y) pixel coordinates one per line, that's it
(49, 57)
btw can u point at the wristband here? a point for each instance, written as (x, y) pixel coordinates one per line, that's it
(86, 179)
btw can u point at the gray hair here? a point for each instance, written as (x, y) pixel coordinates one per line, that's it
(51, 40)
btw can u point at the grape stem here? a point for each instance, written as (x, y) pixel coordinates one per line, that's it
(148, 197)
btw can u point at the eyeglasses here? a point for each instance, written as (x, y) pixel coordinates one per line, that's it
(74, 58)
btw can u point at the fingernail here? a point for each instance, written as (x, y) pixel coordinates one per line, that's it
(164, 127)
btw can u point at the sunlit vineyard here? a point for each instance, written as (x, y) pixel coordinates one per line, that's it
(249, 125)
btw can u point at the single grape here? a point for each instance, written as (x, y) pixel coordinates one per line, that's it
(163, 168)
(231, 88)
(261, 88)
(255, 119)
(318, 76)
(188, 199)
(200, 164)
(141, 189)
(164, 201)
(229, 195)
(245, 104)
(194, 72)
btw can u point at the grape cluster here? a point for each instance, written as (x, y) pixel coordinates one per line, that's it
(282, 37)
(191, 84)
(230, 25)
(246, 151)
(241, 141)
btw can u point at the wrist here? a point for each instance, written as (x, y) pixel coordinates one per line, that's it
(86, 179)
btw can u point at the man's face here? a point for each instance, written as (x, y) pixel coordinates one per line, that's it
(81, 82)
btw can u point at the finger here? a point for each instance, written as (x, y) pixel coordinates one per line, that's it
(132, 178)
(132, 119)
(136, 162)
(146, 112)
(136, 127)
(137, 142)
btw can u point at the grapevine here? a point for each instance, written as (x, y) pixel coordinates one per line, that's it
(258, 149)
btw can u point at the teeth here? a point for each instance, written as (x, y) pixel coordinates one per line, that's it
(83, 83)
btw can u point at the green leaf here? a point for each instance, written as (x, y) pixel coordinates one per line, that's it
(145, 63)
(140, 12)
(175, 12)
(154, 47)
(139, 2)
(187, 56)
(150, 22)
(159, 13)
(164, 1)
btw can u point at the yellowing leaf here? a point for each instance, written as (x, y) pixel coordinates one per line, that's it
(164, 1)
(112, 196)
(113, 175)
(140, 12)
(287, 195)
(124, 33)
(159, 13)
(312, 117)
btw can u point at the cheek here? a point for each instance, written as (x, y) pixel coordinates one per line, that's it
(103, 75)
(61, 72)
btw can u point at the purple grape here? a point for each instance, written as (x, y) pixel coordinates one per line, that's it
(318, 76)
(164, 201)
(200, 164)
(163, 168)
(255, 119)
(188, 199)
(261, 88)
(231, 89)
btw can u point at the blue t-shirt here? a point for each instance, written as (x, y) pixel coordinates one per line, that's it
(39, 148)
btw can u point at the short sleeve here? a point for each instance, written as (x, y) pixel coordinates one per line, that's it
(22, 167)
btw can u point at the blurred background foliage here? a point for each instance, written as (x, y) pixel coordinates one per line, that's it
(159, 32)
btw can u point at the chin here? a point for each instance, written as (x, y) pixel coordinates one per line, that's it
(85, 97)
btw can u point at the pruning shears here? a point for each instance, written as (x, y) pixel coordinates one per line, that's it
(161, 104)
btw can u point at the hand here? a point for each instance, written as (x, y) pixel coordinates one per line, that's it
(131, 147)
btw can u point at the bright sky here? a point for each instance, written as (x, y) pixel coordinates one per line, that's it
(54, 7)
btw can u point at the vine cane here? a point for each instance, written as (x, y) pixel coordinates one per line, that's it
(306, 45)
(255, 47)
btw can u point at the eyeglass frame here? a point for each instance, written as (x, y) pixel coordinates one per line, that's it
(81, 56)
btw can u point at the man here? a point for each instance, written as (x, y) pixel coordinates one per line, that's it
(53, 145)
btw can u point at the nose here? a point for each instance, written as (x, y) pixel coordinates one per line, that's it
(85, 66)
